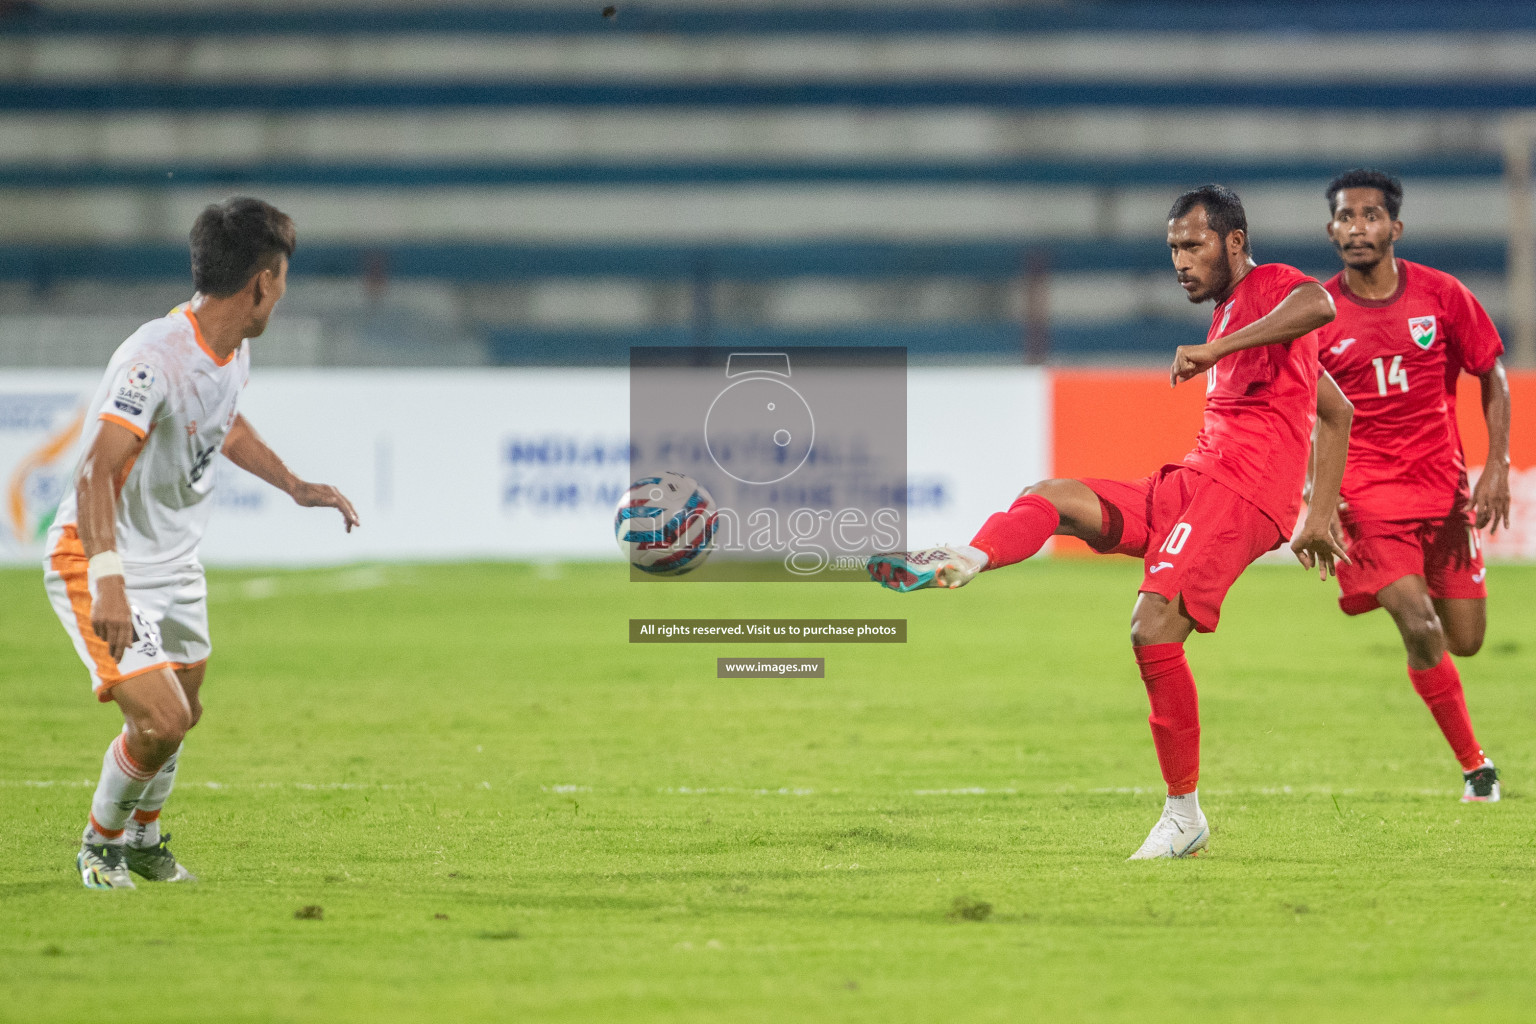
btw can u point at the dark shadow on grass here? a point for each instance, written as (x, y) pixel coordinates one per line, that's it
(877, 837)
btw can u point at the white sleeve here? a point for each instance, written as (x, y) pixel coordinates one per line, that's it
(137, 391)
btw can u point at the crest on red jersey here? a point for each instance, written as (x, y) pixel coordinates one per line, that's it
(1422, 330)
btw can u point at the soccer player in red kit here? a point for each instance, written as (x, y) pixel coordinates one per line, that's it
(1198, 524)
(1403, 336)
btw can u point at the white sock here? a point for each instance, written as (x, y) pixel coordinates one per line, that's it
(1185, 808)
(976, 555)
(144, 826)
(117, 793)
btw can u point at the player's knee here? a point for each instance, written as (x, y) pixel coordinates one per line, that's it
(1039, 487)
(1464, 644)
(1145, 634)
(1047, 489)
(1423, 636)
(1157, 620)
(1078, 507)
(163, 729)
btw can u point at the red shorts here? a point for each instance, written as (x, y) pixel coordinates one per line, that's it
(1195, 536)
(1447, 552)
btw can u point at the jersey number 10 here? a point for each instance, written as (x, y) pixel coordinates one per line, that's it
(1395, 374)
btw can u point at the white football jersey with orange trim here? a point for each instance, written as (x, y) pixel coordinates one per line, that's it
(164, 385)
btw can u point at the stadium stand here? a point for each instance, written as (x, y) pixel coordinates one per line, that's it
(542, 184)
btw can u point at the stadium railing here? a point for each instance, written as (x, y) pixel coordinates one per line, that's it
(760, 18)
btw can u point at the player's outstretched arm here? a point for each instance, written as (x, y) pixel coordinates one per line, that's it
(245, 448)
(112, 451)
(1315, 543)
(1490, 498)
(1305, 309)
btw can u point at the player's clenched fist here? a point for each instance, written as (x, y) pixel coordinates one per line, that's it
(1191, 361)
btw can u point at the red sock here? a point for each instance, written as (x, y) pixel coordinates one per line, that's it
(1013, 536)
(1175, 717)
(1441, 689)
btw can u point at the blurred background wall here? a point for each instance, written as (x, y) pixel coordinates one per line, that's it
(545, 183)
(536, 187)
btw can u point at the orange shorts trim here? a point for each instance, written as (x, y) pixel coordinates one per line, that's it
(104, 692)
(69, 561)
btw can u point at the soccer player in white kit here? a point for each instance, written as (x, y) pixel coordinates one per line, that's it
(122, 570)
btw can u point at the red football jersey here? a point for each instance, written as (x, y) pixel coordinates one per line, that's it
(1397, 360)
(1260, 403)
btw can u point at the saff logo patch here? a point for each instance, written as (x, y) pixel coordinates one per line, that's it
(1422, 330)
(141, 376)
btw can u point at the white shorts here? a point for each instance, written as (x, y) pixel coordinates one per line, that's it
(170, 617)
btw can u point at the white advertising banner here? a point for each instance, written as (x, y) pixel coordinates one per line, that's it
(490, 463)
(976, 437)
(41, 412)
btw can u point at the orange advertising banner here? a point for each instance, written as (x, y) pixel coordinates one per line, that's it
(1124, 424)
(1120, 425)
(1519, 541)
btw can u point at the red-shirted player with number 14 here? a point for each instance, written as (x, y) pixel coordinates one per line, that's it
(1198, 524)
(1403, 336)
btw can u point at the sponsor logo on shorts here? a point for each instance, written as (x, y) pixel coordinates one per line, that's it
(1338, 349)
(1159, 567)
(1477, 577)
(1422, 330)
(146, 635)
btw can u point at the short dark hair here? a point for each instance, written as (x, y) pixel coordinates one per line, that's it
(1223, 210)
(235, 239)
(1364, 177)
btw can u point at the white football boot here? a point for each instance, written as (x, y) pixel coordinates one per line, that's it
(101, 866)
(1171, 838)
(931, 567)
(1481, 785)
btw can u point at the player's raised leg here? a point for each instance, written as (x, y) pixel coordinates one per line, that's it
(1067, 507)
(1159, 628)
(1435, 678)
(156, 718)
(147, 850)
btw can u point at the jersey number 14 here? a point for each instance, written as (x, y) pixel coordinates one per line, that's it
(1387, 376)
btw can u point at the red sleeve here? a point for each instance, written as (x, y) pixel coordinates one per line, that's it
(1282, 279)
(1472, 336)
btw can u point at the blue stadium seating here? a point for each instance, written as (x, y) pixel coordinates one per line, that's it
(82, 172)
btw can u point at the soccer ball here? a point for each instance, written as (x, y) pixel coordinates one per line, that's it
(665, 524)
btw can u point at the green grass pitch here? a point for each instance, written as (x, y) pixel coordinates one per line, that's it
(507, 812)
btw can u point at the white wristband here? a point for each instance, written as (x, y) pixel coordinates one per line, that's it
(105, 563)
